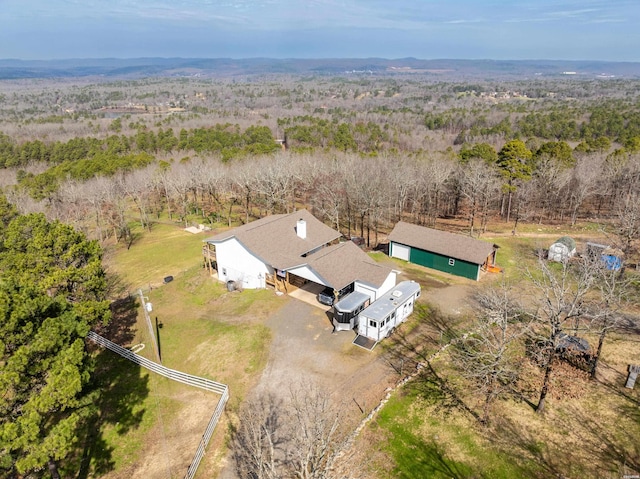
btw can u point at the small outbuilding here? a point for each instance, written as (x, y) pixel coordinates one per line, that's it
(563, 249)
(610, 257)
(449, 252)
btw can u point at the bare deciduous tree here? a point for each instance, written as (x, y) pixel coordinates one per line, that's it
(479, 183)
(315, 435)
(613, 289)
(585, 181)
(627, 224)
(560, 305)
(257, 439)
(299, 436)
(488, 357)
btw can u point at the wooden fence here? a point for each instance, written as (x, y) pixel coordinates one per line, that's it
(180, 377)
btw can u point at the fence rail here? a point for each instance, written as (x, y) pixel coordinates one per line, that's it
(180, 377)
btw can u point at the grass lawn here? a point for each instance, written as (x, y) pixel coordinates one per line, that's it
(166, 250)
(425, 441)
(205, 331)
(589, 429)
(211, 332)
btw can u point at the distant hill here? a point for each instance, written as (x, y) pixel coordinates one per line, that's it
(114, 68)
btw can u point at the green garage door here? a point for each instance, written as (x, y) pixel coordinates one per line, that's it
(444, 263)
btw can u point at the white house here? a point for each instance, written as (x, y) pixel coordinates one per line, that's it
(289, 250)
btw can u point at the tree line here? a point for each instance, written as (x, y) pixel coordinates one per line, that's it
(358, 195)
(226, 139)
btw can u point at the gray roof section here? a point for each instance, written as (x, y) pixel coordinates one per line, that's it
(447, 244)
(351, 301)
(343, 263)
(274, 238)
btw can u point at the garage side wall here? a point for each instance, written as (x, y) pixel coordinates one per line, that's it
(445, 263)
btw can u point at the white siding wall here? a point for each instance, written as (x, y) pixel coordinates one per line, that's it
(399, 251)
(366, 289)
(374, 293)
(389, 283)
(380, 332)
(237, 263)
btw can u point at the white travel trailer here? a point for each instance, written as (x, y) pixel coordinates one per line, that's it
(378, 320)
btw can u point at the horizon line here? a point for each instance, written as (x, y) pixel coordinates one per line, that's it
(312, 58)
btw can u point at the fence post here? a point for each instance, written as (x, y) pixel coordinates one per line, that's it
(149, 325)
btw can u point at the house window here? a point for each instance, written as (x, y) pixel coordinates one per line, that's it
(452, 262)
(373, 323)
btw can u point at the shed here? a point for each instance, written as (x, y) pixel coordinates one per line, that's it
(563, 249)
(610, 257)
(449, 252)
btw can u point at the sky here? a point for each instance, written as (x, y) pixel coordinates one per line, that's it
(426, 29)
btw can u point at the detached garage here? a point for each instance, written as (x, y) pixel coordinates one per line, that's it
(449, 252)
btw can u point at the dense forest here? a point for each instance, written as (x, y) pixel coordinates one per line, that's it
(362, 152)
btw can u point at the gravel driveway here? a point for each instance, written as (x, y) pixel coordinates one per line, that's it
(304, 348)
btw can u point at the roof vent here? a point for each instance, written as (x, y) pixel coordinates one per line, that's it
(301, 229)
(397, 293)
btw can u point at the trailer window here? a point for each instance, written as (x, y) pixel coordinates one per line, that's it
(452, 262)
(373, 323)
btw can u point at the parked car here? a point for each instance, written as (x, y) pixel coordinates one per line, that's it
(326, 296)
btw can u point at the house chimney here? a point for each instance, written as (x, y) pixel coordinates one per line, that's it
(301, 228)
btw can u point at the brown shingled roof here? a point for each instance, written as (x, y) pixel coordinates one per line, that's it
(447, 244)
(341, 264)
(274, 238)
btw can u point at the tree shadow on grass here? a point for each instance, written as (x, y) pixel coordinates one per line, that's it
(124, 314)
(418, 459)
(612, 452)
(437, 391)
(404, 349)
(616, 448)
(523, 444)
(118, 388)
